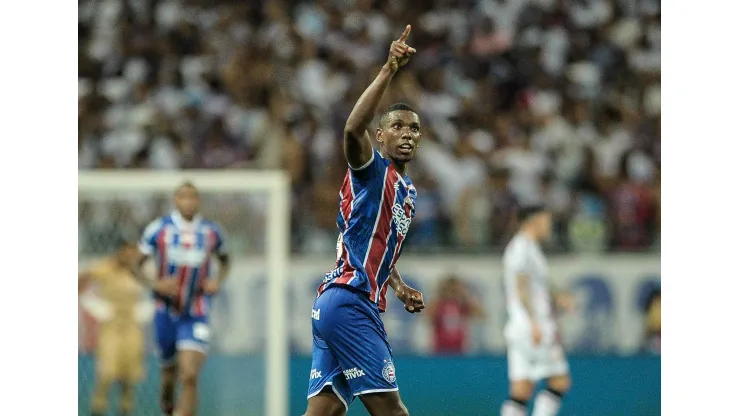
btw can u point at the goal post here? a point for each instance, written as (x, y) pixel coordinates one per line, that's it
(276, 186)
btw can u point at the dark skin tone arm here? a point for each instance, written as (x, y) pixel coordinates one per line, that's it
(212, 286)
(165, 287)
(358, 148)
(412, 299)
(169, 287)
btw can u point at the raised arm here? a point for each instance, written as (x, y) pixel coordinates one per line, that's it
(358, 149)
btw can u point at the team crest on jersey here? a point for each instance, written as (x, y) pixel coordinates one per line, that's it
(389, 371)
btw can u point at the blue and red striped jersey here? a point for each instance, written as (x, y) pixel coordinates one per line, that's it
(376, 205)
(182, 250)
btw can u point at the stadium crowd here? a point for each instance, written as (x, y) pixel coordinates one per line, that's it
(522, 102)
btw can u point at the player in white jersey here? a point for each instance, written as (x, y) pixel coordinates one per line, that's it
(533, 347)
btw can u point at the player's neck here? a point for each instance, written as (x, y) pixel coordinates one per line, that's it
(400, 167)
(530, 234)
(188, 218)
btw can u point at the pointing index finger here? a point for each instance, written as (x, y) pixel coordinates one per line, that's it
(405, 34)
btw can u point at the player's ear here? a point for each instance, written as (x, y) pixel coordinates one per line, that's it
(379, 135)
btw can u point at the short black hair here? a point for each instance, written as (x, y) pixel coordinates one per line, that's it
(530, 211)
(186, 184)
(400, 106)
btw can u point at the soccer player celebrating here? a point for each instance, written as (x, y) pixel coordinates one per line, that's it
(120, 315)
(534, 352)
(351, 354)
(183, 244)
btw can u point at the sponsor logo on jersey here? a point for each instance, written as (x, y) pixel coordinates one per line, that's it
(402, 221)
(389, 372)
(316, 314)
(189, 257)
(314, 374)
(353, 373)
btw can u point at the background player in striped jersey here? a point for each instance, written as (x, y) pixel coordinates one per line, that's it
(120, 314)
(533, 348)
(183, 244)
(351, 354)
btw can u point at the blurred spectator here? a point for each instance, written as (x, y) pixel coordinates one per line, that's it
(429, 220)
(652, 323)
(451, 313)
(632, 207)
(557, 93)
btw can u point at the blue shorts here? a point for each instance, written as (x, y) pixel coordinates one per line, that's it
(176, 333)
(350, 347)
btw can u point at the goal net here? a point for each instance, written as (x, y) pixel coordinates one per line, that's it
(247, 369)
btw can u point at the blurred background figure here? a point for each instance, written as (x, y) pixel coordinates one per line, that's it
(110, 293)
(652, 323)
(451, 312)
(562, 96)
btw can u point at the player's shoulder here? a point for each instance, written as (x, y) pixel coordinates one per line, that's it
(158, 224)
(518, 247)
(376, 163)
(211, 225)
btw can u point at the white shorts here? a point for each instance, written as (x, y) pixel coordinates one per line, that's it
(534, 362)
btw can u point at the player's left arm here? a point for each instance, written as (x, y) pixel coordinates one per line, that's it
(412, 299)
(563, 300)
(212, 286)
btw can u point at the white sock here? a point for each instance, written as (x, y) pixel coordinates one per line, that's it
(546, 404)
(512, 408)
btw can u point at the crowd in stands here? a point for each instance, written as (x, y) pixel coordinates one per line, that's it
(522, 102)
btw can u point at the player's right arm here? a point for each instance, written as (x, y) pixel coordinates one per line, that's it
(358, 149)
(147, 247)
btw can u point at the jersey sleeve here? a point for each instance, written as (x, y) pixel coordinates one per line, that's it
(219, 246)
(517, 260)
(148, 242)
(372, 169)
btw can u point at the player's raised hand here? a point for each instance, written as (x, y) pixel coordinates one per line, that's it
(400, 52)
(412, 299)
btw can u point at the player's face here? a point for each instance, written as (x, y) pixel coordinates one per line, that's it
(187, 201)
(400, 137)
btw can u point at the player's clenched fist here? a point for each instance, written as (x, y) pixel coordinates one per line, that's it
(400, 52)
(412, 299)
